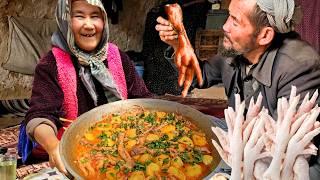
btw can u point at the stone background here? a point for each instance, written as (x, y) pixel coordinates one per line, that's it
(127, 34)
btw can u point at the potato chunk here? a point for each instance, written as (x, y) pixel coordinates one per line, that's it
(152, 137)
(176, 173)
(163, 160)
(130, 144)
(89, 136)
(177, 162)
(207, 159)
(136, 175)
(193, 170)
(161, 114)
(168, 129)
(199, 140)
(186, 140)
(131, 133)
(152, 169)
(145, 157)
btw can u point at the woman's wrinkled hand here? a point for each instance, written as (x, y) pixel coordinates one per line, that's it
(45, 136)
(54, 157)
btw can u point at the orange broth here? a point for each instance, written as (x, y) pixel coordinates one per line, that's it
(143, 144)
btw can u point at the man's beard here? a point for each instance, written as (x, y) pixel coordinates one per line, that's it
(228, 52)
(231, 52)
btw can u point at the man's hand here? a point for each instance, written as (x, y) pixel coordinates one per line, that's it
(185, 57)
(167, 33)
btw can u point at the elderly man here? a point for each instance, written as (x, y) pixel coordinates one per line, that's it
(270, 58)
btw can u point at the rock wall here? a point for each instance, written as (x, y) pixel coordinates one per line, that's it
(127, 34)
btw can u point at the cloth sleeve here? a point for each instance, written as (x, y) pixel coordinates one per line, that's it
(47, 97)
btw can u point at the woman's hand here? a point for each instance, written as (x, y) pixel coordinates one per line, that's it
(46, 137)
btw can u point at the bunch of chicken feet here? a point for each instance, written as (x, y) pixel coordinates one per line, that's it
(258, 147)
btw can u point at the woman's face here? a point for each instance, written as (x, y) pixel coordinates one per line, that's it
(87, 25)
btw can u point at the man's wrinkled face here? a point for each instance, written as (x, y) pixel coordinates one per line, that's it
(239, 33)
(87, 25)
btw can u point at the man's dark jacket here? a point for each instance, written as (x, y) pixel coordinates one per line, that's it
(288, 62)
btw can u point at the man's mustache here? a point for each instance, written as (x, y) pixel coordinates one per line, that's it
(226, 36)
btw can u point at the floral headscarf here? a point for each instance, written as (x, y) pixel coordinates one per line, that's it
(91, 64)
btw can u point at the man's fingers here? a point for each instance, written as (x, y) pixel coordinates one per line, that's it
(182, 75)
(164, 28)
(163, 21)
(171, 38)
(168, 33)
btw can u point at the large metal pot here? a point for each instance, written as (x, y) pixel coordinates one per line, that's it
(72, 135)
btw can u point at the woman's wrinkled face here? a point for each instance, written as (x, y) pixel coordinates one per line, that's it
(87, 25)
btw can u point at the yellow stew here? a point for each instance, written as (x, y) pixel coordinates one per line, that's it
(143, 144)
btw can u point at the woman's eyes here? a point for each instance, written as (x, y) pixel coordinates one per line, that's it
(78, 15)
(82, 16)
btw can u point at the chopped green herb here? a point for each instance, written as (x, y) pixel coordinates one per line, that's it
(126, 170)
(139, 167)
(112, 174)
(166, 161)
(158, 145)
(103, 136)
(117, 167)
(94, 151)
(83, 160)
(131, 118)
(150, 118)
(164, 138)
(197, 156)
(103, 170)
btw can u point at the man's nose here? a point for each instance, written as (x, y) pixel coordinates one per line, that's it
(226, 25)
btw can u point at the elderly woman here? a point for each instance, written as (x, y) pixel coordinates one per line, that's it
(81, 71)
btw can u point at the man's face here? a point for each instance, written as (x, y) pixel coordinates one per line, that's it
(239, 33)
(87, 25)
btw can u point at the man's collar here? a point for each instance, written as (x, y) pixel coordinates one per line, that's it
(263, 71)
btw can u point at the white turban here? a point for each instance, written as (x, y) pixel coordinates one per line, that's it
(282, 14)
